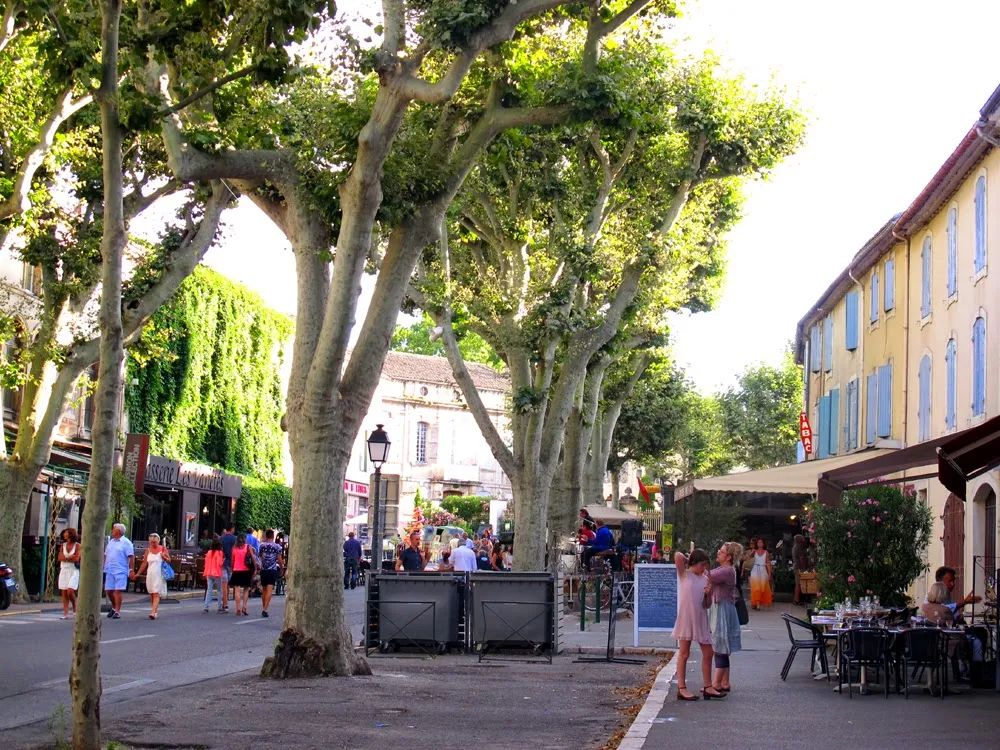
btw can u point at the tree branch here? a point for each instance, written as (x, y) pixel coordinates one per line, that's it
(598, 29)
(19, 200)
(136, 202)
(394, 23)
(683, 190)
(202, 93)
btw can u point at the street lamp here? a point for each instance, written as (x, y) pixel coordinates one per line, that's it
(378, 452)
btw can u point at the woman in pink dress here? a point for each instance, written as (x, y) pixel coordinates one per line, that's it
(692, 622)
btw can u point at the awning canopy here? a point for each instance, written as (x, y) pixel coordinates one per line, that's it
(610, 516)
(794, 479)
(968, 454)
(359, 520)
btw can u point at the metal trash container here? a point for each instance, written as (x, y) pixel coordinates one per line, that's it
(418, 609)
(512, 610)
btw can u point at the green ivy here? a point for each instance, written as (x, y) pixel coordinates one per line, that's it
(204, 380)
(264, 505)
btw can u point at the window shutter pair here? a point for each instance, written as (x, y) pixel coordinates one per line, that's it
(851, 416)
(950, 418)
(980, 224)
(871, 408)
(884, 426)
(925, 278)
(824, 427)
(851, 324)
(834, 430)
(952, 251)
(814, 349)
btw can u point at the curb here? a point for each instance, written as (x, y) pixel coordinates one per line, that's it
(620, 650)
(635, 738)
(21, 612)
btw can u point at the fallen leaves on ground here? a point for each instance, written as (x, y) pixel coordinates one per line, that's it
(629, 702)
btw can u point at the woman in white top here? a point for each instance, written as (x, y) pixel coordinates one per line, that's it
(152, 563)
(69, 574)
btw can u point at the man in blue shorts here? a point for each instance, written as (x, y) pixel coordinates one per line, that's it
(119, 558)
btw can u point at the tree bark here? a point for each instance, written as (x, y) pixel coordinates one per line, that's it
(16, 482)
(85, 677)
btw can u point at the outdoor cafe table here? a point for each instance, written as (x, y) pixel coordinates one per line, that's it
(832, 632)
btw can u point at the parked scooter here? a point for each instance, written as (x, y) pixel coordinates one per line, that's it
(8, 585)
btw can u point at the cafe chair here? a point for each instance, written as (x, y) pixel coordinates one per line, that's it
(814, 643)
(924, 648)
(864, 647)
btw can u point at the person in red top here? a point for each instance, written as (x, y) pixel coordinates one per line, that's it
(244, 565)
(213, 575)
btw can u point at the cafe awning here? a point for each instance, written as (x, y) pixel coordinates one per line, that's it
(968, 454)
(610, 516)
(794, 479)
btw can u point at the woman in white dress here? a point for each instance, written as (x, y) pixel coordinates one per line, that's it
(69, 574)
(152, 563)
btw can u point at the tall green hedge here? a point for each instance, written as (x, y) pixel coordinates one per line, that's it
(264, 505)
(206, 378)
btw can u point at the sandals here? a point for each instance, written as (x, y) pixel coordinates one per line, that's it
(681, 697)
(712, 696)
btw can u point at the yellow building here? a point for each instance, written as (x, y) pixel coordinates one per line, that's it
(905, 343)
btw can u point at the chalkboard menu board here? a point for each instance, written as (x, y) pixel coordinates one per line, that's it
(655, 598)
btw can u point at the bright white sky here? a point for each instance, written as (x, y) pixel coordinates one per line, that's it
(891, 87)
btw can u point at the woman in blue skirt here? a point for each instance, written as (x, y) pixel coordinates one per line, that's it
(722, 617)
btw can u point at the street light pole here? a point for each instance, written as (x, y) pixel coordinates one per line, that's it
(378, 452)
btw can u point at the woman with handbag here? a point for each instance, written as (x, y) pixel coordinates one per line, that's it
(244, 566)
(722, 617)
(152, 564)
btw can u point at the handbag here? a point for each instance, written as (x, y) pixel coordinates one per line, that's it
(168, 571)
(742, 613)
(248, 559)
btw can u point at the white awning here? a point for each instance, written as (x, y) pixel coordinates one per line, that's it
(794, 479)
(610, 516)
(360, 520)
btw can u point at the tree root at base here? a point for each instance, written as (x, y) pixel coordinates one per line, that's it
(297, 655)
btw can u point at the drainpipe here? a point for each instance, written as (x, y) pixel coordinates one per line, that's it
(861, 357)
(906, 336)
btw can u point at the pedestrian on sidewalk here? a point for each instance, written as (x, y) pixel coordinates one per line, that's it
(213, 575)
(244, 564)
(463, 559)
(69, 574)
(228, 542)
(269, 555)
(119, 561)
(252, 539)
(152, 562)
(722, 617)
(352, 558)
(496, 558)
(760, 577)
(692, 622)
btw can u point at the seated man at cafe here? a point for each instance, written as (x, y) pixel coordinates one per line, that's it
(604, 545)
(948, 577)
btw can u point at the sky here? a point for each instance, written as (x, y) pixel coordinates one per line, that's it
(890, 88)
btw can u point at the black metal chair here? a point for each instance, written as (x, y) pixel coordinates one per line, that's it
(864, 647)
(924, 648)
(814, 643)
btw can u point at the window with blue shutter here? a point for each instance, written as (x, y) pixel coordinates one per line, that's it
(828, 344)
(952, 251)
(924, 399)
(884, 426)
(871, 408)
(980, 223)
(814, 350)
(873, 306)
(890, 284)
(834, 423)
(824, 427)
(848, 390)
(951, 397)
(925, 278)
(851, 321)
(979, 367)
(852, 408)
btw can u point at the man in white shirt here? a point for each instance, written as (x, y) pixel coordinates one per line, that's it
(463, 559)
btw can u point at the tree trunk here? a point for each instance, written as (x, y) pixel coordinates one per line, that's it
(85, 677)
(615, 494)
(315, 640)
(16, 483)
(531, 499)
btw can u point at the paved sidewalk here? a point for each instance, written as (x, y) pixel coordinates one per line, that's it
(764, 712)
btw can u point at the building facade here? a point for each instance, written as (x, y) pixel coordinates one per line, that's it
(904, 348)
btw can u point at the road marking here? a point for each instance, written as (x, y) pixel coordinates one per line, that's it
(257, 620)
(127, 685)
(130, 638)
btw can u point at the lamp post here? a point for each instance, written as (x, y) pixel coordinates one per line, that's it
(378, 452)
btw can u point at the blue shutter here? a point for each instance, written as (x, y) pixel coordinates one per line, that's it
(851, 321)
(814, 350)
(828, 344)
(800, 452)
(980, 224)
(824, 427)
(979, 367)
(884, 425)
(871, 408)
(925, 278)
(952, 251)
(873, 307)
(890, 284)
(834, 423)
(924, 399)
(950, 419)
(855, 415)
(848, 389)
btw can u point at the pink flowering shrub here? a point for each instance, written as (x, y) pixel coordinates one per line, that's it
(871, 544)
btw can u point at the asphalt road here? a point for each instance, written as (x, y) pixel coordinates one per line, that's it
(138, 656)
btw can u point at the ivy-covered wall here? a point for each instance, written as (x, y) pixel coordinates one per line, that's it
(204, 381)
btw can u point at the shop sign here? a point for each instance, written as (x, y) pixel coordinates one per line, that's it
(166, 471)
(805, 433)
(136, 456)
(355, 488)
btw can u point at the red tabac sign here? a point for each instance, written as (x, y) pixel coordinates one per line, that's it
(805, 433)
(136, 458)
